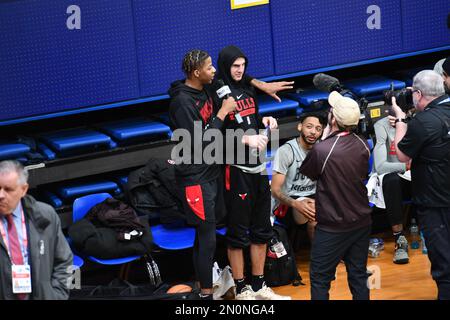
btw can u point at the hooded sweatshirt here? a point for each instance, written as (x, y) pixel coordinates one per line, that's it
(189, 105)
(247, 106)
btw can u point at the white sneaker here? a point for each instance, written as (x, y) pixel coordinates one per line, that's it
(246, 294)
(266, 293)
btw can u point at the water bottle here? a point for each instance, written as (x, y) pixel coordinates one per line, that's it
(376, 245)
(424, 247)
(414, 234)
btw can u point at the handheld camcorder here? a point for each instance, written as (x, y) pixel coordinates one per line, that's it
(326, 83)
(403, 97)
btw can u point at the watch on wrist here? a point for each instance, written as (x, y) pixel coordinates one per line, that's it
(400, 120)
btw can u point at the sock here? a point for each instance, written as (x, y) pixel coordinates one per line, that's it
(240, 284)
(397, 235)
(206, 296)
(257, 282)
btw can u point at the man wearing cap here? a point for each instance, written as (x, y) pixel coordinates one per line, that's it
(339, 164)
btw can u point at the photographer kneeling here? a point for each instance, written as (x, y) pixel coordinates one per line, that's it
(425, 140)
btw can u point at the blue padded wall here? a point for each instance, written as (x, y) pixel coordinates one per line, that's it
(425, 24)
(166, 30)
(45, 67)
(310, 34)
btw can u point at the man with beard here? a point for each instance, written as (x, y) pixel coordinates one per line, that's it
(292, 192)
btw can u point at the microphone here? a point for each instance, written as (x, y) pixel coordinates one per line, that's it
(324, 82)
(224, 92)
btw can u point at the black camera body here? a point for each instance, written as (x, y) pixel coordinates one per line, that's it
(403, 97)
(326, 83)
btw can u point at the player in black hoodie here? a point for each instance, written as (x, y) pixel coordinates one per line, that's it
(192, 108)
(247, 187)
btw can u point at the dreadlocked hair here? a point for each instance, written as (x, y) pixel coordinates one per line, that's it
(193, 60)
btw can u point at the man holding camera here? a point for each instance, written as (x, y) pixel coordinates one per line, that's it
(425, 140)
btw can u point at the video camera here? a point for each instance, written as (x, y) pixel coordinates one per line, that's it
(326, 83)
(403, 98)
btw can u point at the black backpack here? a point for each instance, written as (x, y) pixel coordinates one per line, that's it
(281, 271)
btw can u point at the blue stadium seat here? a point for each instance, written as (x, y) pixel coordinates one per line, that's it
(270, 107)
(77, 261)
(52, 199)
(307, 97)
(76, 141)
(135, 130)
(173, 237)
(12, 150)
(81, 207)
(77, 189)
(372, 87)
(46, 151)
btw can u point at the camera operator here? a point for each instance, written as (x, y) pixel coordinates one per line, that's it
(339, 165)
(426, 140)
(327, 83)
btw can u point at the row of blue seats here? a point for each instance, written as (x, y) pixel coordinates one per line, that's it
(165, 237)
(63, 143)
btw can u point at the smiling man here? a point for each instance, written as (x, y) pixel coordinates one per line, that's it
(293, 193)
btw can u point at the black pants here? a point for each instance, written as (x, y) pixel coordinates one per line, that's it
(435, 225)
(395, 189)
(328, 249)
(202, 205)
(248, 208)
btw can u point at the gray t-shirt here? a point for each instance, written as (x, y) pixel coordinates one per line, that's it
(288, 160)
(385, 158)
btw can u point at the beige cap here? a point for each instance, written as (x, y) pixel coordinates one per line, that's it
(345, 110)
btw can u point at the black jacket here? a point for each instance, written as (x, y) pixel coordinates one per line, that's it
(150, 190)
(427, 143)
(247, 104)
(118, 216)
(188, 105)
(102, 242)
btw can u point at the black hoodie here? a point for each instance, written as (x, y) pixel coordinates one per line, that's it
(186, 106)
(245, 96)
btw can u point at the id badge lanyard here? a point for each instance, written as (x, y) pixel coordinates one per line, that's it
(24, 237)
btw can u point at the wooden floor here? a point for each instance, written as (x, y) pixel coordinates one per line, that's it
(411, 281)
